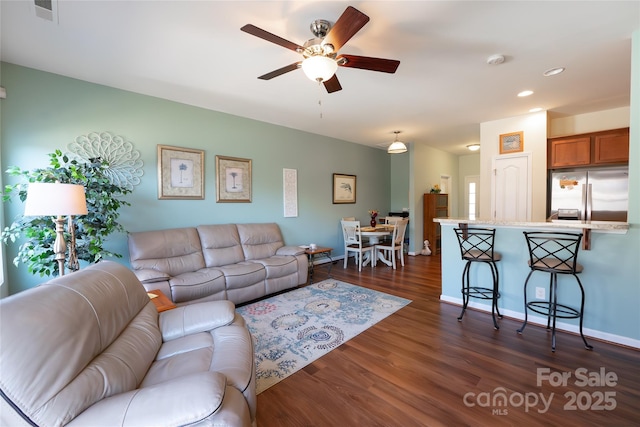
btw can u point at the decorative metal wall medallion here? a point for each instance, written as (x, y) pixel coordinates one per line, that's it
(125, 165)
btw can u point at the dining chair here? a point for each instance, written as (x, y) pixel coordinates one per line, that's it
(353, 243)
(396, 245)
(391, 219)
(353, 218)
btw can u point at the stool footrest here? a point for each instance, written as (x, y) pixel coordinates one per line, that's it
(479, 292)
(546, 309)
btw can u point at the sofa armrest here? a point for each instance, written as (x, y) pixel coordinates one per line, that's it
(183, 401)
(195, 318)
(147, 275)
(290, 250)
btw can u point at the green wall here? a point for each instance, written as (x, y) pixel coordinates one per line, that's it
(44, 112)
(399, 182)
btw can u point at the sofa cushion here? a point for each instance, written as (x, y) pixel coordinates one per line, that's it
(197, 284)
(243, 274)
(260, 240)
(174, 251)
(279, 266)
(202, 393)
(220, 244)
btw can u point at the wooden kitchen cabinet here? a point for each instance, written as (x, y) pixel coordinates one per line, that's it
(611, 147)
(436, 205)
(594, 149)
(565, 152)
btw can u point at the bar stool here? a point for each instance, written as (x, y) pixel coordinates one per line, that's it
(476, 246)
(554, 253)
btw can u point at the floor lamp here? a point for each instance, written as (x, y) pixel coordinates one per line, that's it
(55, 199)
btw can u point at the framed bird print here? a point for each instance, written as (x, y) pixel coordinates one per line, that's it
(344, 188)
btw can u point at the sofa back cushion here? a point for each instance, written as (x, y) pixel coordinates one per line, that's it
(220, 244)
(260, 240)
(76, 340)
(173, 251)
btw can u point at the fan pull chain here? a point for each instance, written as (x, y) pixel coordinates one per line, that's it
(320, 96)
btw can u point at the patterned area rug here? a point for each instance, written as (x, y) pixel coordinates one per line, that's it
(293, 329)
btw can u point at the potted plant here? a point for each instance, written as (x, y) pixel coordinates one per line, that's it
(90, 231)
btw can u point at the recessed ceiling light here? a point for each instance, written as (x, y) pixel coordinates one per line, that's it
(473, 147)
(535, 110)
(553, 71)
(525, 93)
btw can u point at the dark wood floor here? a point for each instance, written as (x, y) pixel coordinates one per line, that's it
(416, 367)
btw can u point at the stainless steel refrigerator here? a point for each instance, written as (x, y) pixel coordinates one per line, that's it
(600, 194)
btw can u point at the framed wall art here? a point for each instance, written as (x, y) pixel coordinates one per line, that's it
(511, 142)
(180, 173)
(344, 188)
(233, 179)
(290, 192)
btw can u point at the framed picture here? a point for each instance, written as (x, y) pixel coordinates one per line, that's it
(344, 188)
(233, 179)
(180, 173)
(511, 142)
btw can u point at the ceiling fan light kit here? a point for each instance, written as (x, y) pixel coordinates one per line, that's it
(321, 59)
(319, 68)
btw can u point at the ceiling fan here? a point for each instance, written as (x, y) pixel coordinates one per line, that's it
(321, 58)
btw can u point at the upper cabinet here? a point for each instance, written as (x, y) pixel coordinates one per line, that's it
(565, 152)
(595, 149)
(611, 147)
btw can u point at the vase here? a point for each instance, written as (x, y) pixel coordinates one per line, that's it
(373, 221)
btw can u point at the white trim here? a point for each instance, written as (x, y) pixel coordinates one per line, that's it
(542, 321)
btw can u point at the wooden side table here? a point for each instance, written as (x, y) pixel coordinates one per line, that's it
(311, 254)
(162, 302)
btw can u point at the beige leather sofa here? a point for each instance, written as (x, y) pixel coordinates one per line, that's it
(90, 349)
(236, 262)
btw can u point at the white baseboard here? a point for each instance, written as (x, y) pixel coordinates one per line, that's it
(542, 321)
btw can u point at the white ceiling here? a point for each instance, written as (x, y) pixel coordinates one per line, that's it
(195, 53)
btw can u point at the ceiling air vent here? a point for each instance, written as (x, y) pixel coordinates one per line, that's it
(46, 9)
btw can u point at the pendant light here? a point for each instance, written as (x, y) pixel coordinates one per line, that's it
(396, 146)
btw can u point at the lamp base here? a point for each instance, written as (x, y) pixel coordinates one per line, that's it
(60, 246)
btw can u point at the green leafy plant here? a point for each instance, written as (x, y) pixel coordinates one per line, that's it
(91, 230)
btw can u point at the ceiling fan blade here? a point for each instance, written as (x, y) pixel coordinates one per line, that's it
(280, 71)
(349, 23)
(332, 85)
(259, 32)
(367, 63)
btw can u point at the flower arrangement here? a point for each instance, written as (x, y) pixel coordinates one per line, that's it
(374, 214)
(435, 189)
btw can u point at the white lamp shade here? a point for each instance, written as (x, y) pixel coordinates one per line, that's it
(319, 68)
(397, 147)
(47, 198)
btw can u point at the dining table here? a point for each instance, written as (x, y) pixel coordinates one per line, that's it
(375, 234)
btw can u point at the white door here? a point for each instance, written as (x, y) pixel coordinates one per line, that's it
(511, 195)
(471, 193)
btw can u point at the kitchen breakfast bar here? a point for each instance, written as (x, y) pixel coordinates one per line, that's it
(611, 275)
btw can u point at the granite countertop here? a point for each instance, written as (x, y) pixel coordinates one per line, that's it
(582, 225)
